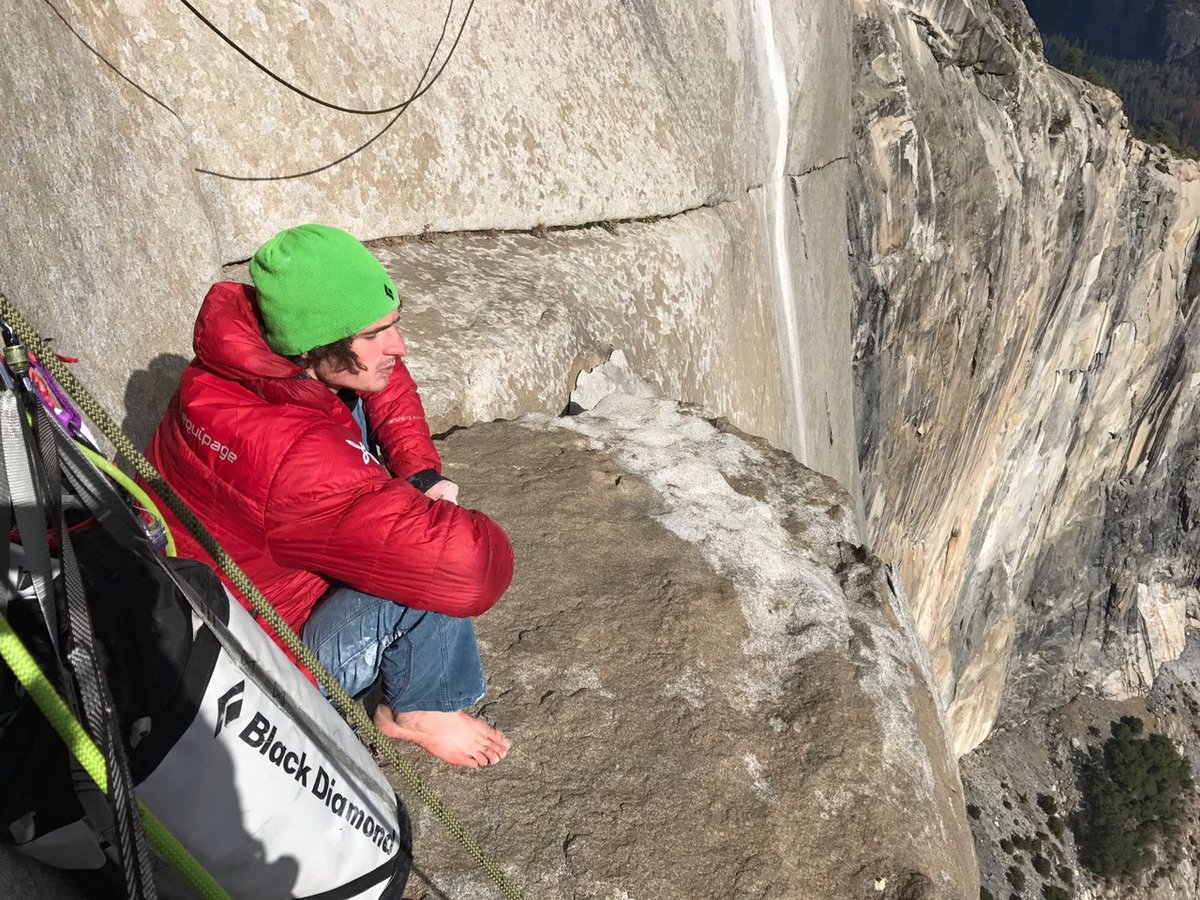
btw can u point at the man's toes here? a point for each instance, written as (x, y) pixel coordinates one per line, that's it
(469, 760)
(498, 748)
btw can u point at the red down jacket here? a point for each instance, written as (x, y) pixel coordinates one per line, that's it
(270, 460)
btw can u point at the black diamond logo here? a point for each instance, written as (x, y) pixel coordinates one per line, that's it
(229, 706)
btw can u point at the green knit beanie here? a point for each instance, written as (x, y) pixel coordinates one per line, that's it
(317, 285)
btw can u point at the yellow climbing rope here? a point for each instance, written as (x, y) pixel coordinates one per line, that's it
(347, 705)
(81, 746)
(134, 489)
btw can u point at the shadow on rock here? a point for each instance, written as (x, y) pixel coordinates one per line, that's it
(147, 394)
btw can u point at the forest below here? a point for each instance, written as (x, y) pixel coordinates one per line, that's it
(1147, 52)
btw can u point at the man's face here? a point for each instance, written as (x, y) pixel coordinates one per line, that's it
(378, 347)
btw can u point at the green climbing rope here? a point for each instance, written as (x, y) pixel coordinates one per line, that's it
(135, 491)
(81, 746)
(347, 705)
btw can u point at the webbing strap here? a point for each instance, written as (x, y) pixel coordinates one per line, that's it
(99, 709)
(83, 749)
(27, 505)
(347, 705)
(6, 587)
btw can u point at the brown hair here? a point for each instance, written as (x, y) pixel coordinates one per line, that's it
(339, 354)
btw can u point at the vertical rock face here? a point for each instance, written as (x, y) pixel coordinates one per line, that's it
(539, 115)
(145, 150)
(499, 325)
(103, 230)
(1025, 360)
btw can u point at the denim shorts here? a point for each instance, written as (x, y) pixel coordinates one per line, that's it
(426, 660)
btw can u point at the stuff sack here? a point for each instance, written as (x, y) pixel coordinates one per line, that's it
(227, 743)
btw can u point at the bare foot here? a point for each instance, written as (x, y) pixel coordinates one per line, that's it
(453, 736)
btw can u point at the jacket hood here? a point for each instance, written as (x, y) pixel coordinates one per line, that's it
(228, 341)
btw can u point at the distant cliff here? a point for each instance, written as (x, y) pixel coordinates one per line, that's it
(1026, 361)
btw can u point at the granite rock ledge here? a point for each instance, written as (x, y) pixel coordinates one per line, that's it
(712, 689)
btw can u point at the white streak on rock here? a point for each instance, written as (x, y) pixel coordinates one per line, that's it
(777, 124)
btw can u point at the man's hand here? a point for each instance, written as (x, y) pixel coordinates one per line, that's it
(443, 490)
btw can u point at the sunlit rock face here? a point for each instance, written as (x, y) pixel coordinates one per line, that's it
(145, 151)
(104, 233)
(1026, 369)
(499, 325)
(530, 113)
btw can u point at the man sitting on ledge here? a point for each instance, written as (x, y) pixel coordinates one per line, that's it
(269, 440)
